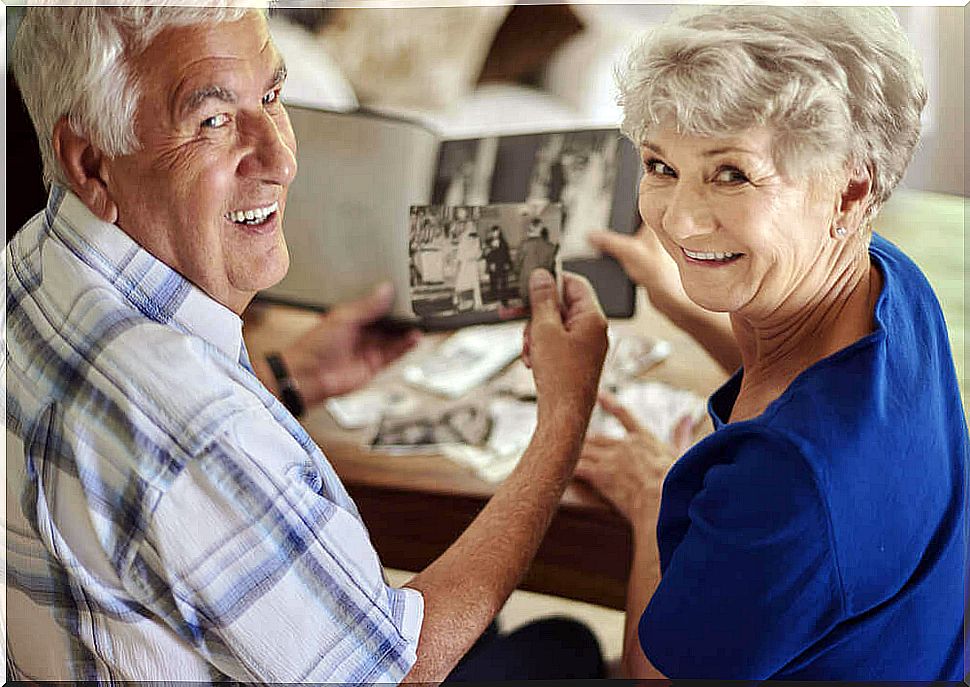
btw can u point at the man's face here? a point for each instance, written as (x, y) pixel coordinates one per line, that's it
(207, 190)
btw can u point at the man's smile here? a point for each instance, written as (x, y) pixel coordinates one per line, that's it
(253, 216)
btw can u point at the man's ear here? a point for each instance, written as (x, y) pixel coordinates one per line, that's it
(854, 200)
(83, 164)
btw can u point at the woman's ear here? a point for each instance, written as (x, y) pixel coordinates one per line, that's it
(83, 166)
(854, 201)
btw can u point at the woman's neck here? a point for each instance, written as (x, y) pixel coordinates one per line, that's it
(837, 312)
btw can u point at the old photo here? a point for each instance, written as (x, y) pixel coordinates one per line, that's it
(470, 263)
(466, 423)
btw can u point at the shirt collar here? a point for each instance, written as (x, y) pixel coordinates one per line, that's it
(150, 285)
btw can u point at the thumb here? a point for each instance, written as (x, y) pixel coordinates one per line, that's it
(543, 299)
(373, 306)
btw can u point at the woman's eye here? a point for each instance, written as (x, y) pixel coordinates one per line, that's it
(215, 121)
(730, 175)
(659, 168)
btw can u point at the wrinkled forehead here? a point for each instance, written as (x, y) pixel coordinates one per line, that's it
(187, 64)
(670, 139)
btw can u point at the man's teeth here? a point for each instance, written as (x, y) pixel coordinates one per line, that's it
(709, 256)
(252, 216)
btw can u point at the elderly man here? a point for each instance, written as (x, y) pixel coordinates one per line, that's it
(168, 517)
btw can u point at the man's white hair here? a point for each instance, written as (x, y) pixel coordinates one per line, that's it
(836, 85)
(75, 62)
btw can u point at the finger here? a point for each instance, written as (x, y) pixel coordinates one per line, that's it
(371, 307)
(612, 405)
(584, 470)
(527, 345)
(600, 440)
(543, 298)
(591, 453)
(511, 312)
(393, 348)
(579, 298)
(683, 433)
(612, 243)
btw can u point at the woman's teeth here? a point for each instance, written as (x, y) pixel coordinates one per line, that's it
(709, 256)
(252, 216)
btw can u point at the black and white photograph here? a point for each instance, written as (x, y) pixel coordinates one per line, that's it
(466, 423)
(470, 263)
(464, 172)
(582, 170)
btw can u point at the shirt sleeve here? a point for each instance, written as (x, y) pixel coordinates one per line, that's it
(268, 579)
(754, 581)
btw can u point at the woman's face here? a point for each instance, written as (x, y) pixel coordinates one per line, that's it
(745, 238)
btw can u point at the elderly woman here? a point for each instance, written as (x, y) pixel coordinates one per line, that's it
(819, 533)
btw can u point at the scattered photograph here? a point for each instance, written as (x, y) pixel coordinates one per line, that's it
(470, 263)
(467, 423)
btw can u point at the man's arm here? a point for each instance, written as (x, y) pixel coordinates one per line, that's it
(468, 584)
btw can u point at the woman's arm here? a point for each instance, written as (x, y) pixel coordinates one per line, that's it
(629, 473)
(647, 263)
(644, 578)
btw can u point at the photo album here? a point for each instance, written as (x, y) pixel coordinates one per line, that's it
(456, 225)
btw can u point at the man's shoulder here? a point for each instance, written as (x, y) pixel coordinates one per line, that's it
(101, 360)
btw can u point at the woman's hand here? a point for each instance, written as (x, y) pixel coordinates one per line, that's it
(629, 472)
(646, 262)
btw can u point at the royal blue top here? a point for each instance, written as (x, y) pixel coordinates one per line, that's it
(826, 538)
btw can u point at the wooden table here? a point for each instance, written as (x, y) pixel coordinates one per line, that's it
(415, 506)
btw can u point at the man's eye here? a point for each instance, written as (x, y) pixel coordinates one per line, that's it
(272, 96)
(659, 168)
(730, 175)
(215, 121)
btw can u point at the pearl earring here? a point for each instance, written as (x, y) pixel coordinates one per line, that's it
(841, 231)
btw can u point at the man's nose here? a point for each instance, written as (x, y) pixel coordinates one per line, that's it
(688, 213)
(271, 157)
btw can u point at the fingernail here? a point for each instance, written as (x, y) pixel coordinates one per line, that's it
(540, 278)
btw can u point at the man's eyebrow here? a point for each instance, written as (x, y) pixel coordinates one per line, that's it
(197, 98)
(655, 148)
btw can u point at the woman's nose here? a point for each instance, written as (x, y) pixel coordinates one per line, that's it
(688, 213)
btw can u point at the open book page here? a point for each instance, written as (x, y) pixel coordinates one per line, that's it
(347, 210)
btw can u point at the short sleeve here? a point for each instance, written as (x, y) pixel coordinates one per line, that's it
(267, 578)
(754, 581)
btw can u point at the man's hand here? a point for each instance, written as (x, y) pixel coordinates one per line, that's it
(629, 472)
(345, 350)
(565, 346)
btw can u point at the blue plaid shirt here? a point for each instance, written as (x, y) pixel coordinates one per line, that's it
(167, 518)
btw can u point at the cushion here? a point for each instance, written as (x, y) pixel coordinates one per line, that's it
(424, 58)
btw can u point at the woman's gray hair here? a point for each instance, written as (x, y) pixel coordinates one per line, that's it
(74, 61)
(836, 85)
